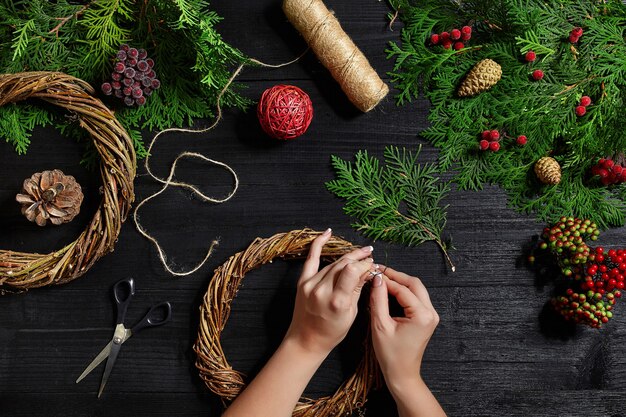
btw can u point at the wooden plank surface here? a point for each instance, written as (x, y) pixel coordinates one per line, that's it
(497, 352)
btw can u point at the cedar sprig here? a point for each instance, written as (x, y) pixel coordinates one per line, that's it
(504, 30)
(192, 61)
(399, 202)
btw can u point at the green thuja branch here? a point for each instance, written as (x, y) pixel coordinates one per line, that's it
(192, 61)
(543, 111)
(399, 202)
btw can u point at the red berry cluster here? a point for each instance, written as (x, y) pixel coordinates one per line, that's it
(595, 278)
(490, 140)
(133, 77)
(597, 285)
(609, 171)
(581, 109)
(575, 34)
(453, 39)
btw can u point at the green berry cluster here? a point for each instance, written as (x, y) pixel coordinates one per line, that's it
(566, 240)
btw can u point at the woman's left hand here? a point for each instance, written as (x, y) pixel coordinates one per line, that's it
(326, 300)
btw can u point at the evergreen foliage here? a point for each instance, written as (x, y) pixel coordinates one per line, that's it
(399, 202)
(191, 59)
(504, 30)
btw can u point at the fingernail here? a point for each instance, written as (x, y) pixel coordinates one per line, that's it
(327, 232)
(369, 260)
(376, 266)
(378, 281)
(368, 248)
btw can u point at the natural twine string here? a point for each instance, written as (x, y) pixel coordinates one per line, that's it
(167, 182)
(337, 52)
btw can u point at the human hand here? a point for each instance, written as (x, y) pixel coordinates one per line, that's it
(400, 342)
(326, 300)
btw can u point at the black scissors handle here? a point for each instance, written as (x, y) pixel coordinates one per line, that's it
(157, 315)
(123, 292)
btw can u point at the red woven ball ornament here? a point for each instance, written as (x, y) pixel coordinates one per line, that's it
(285, 111)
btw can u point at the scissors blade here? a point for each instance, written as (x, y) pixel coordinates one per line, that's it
(115, 350)
(96, 361)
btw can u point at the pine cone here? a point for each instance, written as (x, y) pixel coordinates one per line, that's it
(481, 78)
(50, 195)
(548, 170)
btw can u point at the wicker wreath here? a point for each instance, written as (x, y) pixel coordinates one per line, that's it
(21, 271)
(215, 370)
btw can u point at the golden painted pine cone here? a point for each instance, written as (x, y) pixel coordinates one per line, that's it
(481, 78)
(50, 196)
(548, 170)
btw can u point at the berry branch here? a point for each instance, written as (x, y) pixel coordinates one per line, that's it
(549, 74)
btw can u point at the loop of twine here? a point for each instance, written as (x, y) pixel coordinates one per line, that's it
(167, 182)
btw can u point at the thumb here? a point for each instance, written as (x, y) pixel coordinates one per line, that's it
(379, 303)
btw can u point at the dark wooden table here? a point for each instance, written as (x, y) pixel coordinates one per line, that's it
(496, 351)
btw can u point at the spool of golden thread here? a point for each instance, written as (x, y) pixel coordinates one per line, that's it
(336, 51)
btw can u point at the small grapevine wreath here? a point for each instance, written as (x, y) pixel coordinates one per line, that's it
(22, 271)
(215, 370)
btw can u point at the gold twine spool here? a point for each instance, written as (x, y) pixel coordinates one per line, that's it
(337, 52)
(217, 373)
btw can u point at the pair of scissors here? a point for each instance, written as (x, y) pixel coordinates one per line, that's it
(158, 314)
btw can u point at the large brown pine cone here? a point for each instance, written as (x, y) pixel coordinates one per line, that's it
(50, 196)
(481, 78)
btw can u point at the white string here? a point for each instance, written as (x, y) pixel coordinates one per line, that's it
(169, 180)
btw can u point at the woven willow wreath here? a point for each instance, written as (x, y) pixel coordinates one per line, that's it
(215, 370)
(21, 271)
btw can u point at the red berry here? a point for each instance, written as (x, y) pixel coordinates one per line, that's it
(620, 285)
(617, 169)
(573, 38)
(466, 30)
(585, 101)
(446, 44)
(434, 39)
(458, 46)
(530, 56)
(486, 134)
(444, 36)
(521, 140)
(484, 145)
(107, 89)
(494, 146)
(537, 75)
(455, 34)
(580, 111)
(608, 163)
(466, 36)
(577, 31)
(603, 173)
(594, 170)
(494, 135)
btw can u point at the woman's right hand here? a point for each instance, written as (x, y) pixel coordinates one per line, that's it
(400, 342)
